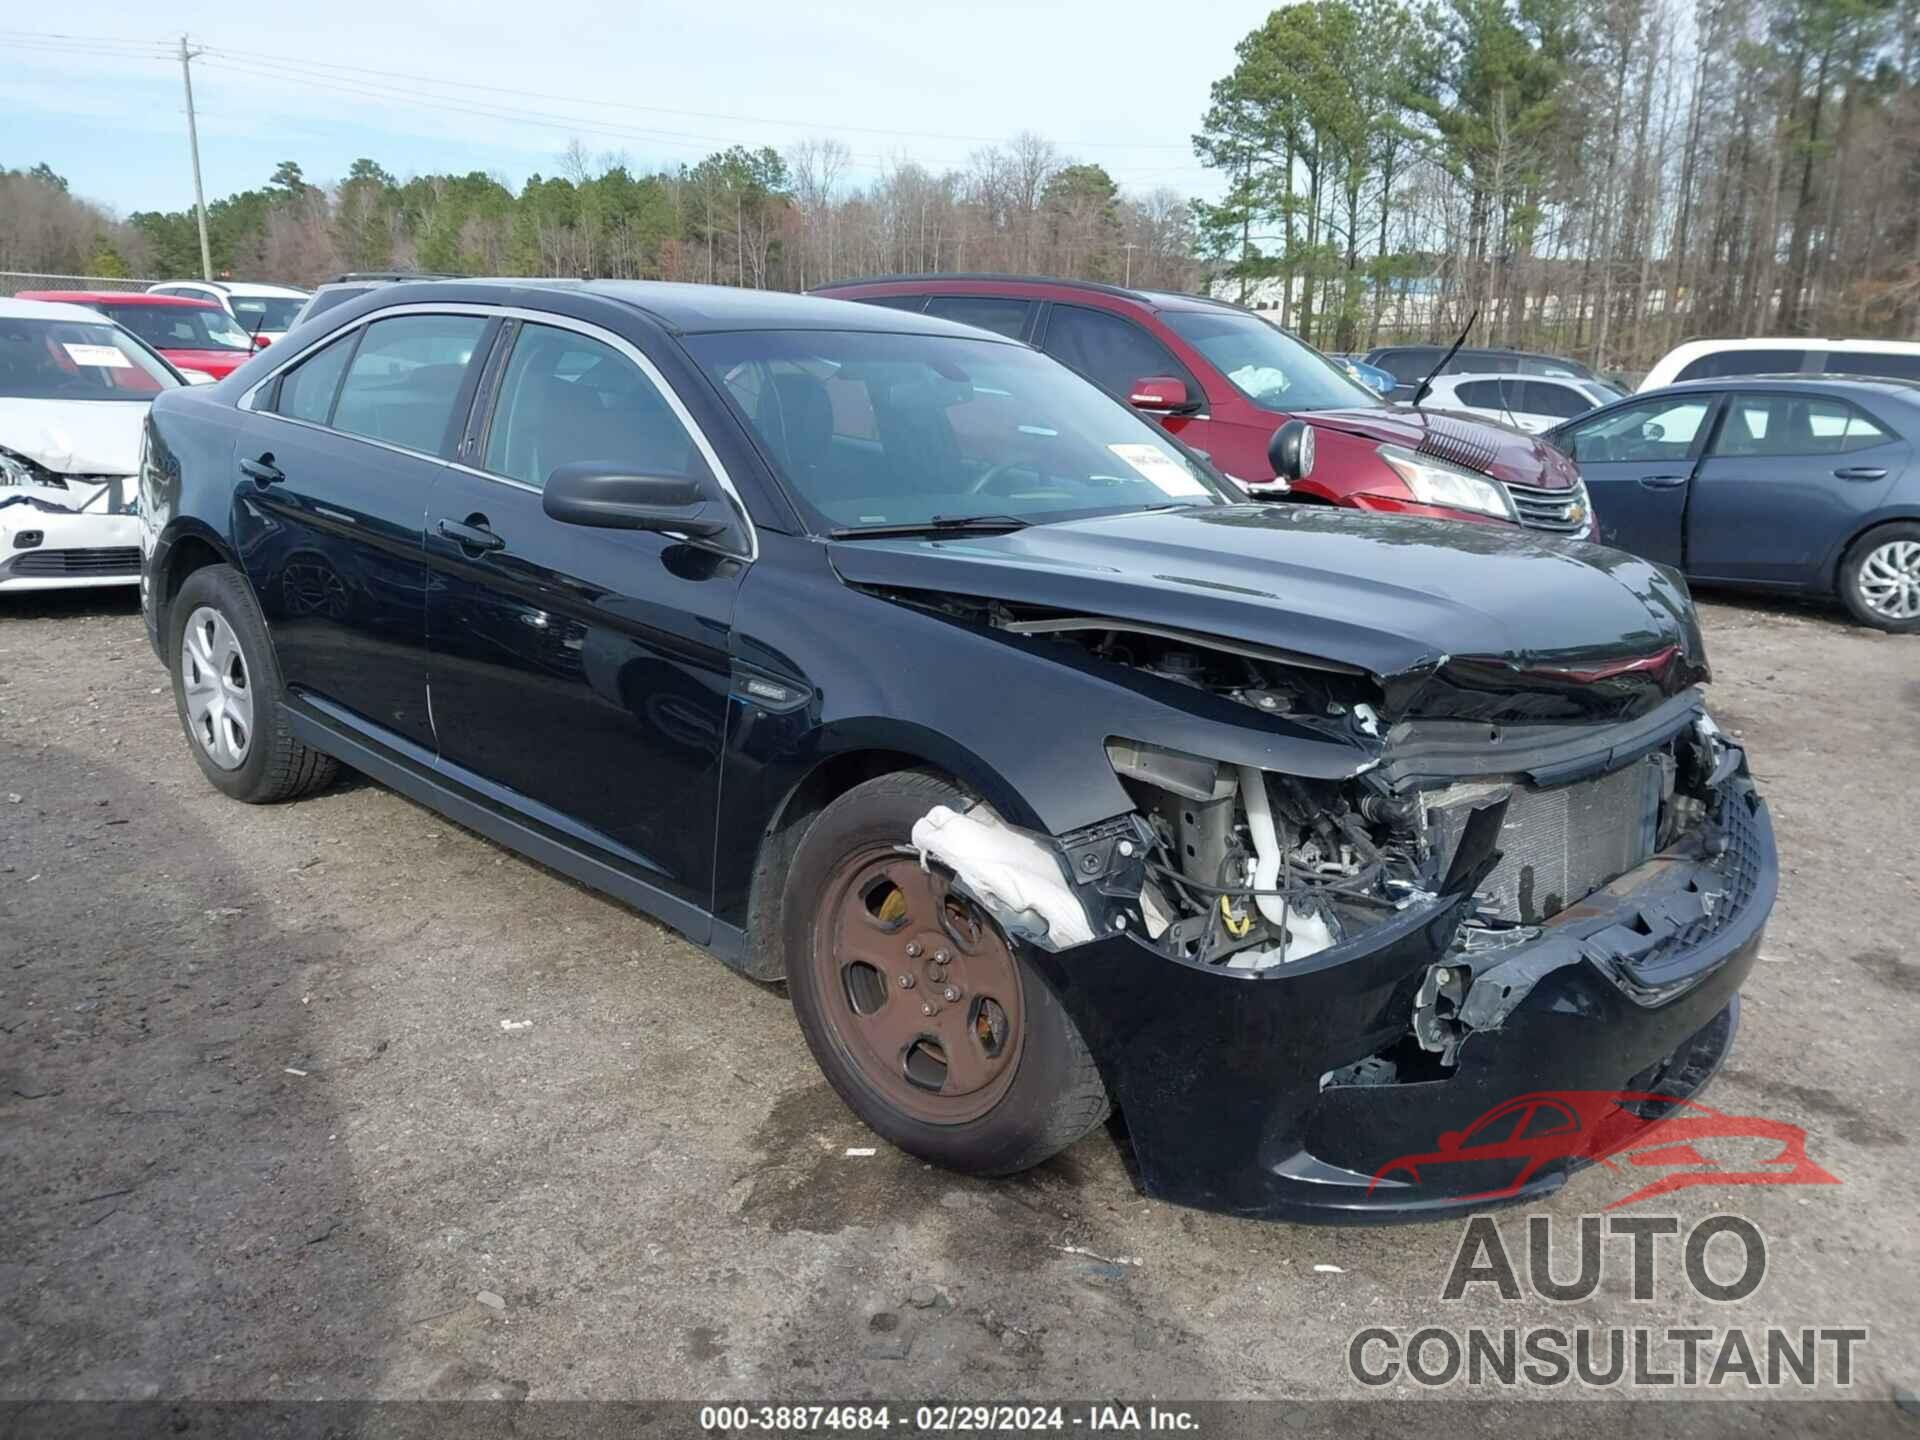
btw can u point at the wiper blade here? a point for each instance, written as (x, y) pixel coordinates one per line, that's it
(938, 525)
(1427, 384)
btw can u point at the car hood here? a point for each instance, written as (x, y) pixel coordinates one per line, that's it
(1398, 597)
(74, 437)
(1501, 451)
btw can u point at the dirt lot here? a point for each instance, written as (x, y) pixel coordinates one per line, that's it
(336, 1099)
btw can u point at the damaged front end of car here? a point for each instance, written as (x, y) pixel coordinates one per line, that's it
(1529, 874)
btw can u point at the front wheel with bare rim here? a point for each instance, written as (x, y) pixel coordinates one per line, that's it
(926, 1019)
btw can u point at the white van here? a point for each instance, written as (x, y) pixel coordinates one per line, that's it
(1790, 355)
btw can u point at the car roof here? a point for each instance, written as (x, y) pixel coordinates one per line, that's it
(1455, 377)
(925, 283)
(695, 309)
(1796, 342)
(16, 309)
(255, 288)
(1892, 386)
(122, 297)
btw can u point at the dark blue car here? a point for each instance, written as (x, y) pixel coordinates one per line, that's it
(1771, 482)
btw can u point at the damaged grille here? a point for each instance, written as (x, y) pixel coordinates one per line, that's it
(108, 560)
(1559, 844)
(1683, 928)
(1562, 511)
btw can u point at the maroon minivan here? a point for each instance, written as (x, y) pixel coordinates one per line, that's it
(1223, 379)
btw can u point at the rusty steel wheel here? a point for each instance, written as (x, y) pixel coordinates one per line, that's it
(921, 991)
(936, 1031)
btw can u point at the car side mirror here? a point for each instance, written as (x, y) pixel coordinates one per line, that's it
(611, 497)
(1161, 394)
(1290, 452)
(260, 342)
(1450, 1140)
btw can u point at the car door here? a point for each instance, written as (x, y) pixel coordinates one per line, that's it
(580, 675)
(338, 459)
(1788, 475)
(1637, 460)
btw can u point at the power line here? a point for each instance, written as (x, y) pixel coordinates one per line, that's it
(361, 70)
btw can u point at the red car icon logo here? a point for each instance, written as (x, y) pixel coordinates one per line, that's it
(1692, 1143)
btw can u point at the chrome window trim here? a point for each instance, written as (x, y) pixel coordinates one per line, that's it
(249, 400)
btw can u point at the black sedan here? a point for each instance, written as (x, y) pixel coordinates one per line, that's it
(1769, 482)
(890, 658)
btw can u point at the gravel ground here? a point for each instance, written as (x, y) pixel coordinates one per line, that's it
(336, 1099)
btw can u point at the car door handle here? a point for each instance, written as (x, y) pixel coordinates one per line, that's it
(1662, 482)
(473, 535)
(263, 470)
(1861, 472)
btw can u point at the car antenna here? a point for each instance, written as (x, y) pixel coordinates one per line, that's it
(1427, 384)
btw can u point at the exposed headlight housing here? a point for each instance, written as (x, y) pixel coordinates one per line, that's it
(18, 470)
(1435, 482)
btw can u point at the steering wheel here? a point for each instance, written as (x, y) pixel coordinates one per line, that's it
(995, 472)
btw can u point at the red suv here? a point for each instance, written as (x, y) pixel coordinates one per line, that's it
(1223, 380)
(194, 335)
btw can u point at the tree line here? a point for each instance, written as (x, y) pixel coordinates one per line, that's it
(1598, 177)
(1601, 178)
(753, 217)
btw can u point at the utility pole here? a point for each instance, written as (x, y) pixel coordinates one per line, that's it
(1129, 280)
(193, 140)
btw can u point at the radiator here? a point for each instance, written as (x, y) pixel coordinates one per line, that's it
(1560, 844)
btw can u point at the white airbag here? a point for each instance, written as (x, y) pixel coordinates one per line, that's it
(1010, 872)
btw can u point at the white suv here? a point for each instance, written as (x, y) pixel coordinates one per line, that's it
(1796, 355)
(1528, 402)
(264, 311)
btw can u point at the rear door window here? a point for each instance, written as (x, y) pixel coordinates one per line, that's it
(1409, 366)
(406, 378)
(1539, 398)
(1774, 426)
(307, 390)
(987, 312)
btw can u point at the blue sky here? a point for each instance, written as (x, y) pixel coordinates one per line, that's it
(1122, 82)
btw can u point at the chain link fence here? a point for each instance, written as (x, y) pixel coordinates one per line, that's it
(12, 282)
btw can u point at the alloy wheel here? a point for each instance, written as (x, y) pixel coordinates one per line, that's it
(1889, 580)
(219, 692)
(921, 989)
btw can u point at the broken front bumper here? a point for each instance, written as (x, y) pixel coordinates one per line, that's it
(1247, 1092)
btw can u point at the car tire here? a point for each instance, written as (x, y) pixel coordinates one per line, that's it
(1855, 573)
(227, 690)
(854, 893)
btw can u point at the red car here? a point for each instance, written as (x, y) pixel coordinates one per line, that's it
(1518, 1139)
(191, 334)
(1223, 379)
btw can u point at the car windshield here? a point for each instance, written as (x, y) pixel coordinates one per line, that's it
(76, 360)
(267, 312)
(1267, 365)
(181, 327)
(875, 430)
